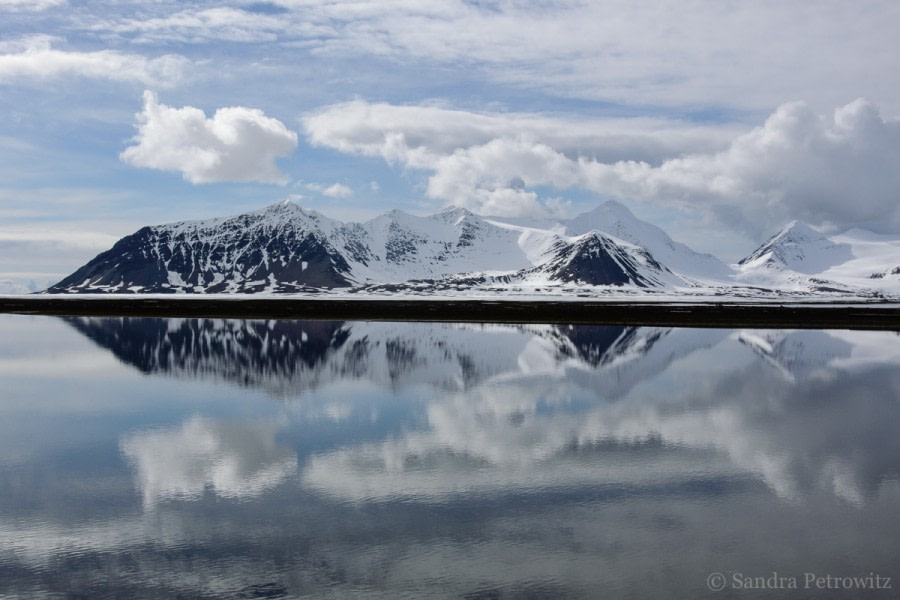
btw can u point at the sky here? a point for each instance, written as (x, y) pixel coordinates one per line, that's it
(717, 120)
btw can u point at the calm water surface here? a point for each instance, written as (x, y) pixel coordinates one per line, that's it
(268, 459)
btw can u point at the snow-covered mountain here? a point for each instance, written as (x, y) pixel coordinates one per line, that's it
(799, 257)
(799, 248)
(597, 257)
(252, 252)
(614, 219)
(286, 248)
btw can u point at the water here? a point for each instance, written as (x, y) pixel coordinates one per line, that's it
(268, 459)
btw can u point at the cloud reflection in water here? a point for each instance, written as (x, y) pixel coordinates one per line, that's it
(523, 407)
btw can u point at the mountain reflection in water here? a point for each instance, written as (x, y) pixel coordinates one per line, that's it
(528, 402)
(233, 458)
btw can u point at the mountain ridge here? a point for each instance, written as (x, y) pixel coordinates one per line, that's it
(800, 248)
(286, 248)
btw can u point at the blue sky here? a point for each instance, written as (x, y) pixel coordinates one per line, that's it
(717, 120)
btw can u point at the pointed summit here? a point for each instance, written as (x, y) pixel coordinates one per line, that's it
(609, 217)
(800, 248)
(615, 219)
(456, 213)
(289, 206)
(615, 207)
(598, 259)
(799, 231)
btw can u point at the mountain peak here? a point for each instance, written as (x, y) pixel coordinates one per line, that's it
(799, 230)
(397, 214)
(799, 247)
(616, 207)
(282, 204)
(615, 219)
(289, 207)
(458, 217)
(455, 211)
(596, 258)
(794, 233)
(610, 211)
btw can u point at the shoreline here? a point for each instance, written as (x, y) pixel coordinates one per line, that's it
(685, 313)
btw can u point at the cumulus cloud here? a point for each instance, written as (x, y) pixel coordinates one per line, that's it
(35, 58)
(235, 144)
(486, 161)
(825, 170)
(832, 170)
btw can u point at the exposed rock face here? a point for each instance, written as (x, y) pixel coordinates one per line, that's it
(282, 248)
(285, 248)
(598, 260)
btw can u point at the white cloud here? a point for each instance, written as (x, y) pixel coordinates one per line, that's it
(408, 132)
(35, 57)
(236, 144)
(685, 53)
(476, 156)
(29, 5)
(198, 26)
(670, 52)
(337, 191)
(827, 171)
(824, 170)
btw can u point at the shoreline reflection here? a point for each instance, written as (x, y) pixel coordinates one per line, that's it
(519, 406)
(241, 459)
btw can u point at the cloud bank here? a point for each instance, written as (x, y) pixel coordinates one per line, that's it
(35, 58)
(199, 26)
(29, 5)
(235, 144)
(652, 53)
(827, 170)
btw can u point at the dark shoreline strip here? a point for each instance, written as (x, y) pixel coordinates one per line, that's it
(782, 315)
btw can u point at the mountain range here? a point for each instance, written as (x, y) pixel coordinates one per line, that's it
(285, 248)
